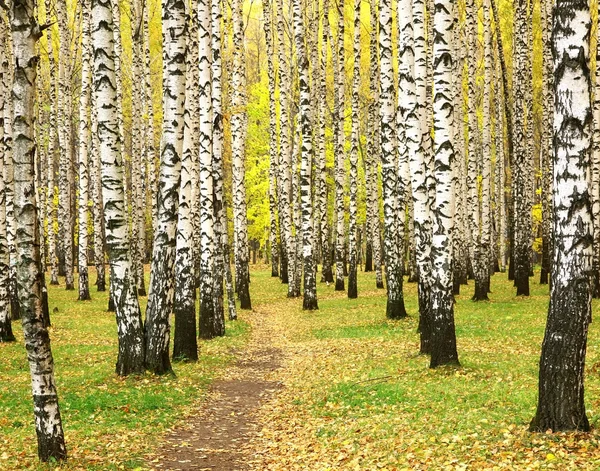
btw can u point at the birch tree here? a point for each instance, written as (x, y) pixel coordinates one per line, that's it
(185, 345)
(6, 333)
(48, 423)
(520, 178)
(238, 157)
(310, 281)
(160, 296)
(443, 336)
(353, 213)
(129, 320)
(562, 363)
(339, 112)
(84, 142)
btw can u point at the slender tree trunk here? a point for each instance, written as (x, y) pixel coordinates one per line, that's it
(353, 213)
(6, 333)
(595, 183)
(339, 113)
(520, 183)
(310, 281)
(562, 363)
(9, 188)
(419, 165)
(443, 336)
(122, 286)
(239, 122)
(84, 143)
(52, 128)
(25, 33)
(98, 207)
(162, 273)
(273, 157)
(185, 345)
(327, 270)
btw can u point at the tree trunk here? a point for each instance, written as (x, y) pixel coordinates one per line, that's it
(355, 137)
(562, 363)
(273, 158)
(162, 272)
(521, 188)
(339, 112)
(6, 333)
(84, 144)
(443, 336)
(185, 345)
(122, 286)
(239, 123)
(419, 165)
(25, 33)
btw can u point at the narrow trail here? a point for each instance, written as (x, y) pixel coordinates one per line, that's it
(216, 436)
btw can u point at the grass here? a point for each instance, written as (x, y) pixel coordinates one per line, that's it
(357, 394)
(367, 399)
(110, 423)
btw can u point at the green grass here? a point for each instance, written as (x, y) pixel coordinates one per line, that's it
(110, 422)
(369, 401)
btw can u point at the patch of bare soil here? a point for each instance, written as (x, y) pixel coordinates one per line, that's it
(216, 436)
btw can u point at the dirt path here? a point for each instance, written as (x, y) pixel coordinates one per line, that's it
(215, 437)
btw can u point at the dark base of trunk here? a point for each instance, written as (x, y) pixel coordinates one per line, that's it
(84, 288)
(244, 295)
(185, 345)
(481, 290)
(326, 274)
(496, 266)
(45, 308)
(455, 285)
(6, 333)
(309, 303)
(511, 269)
(54, 282)
(542, 423)
(142, 292)
(379, 285)
(595, 288)
(369, 258)
(424, 323)
(395, 309)
(339, 284)
(101, 284)
(15, 309)
(274, 271)
(51, 447)
(283, 267)
(70, 287)
(130, 360)
(352, 285)
(522, 285)
(412, 278)
(111, 304)
(210, 324)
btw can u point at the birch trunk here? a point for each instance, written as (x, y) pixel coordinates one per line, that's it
(419, 164)
(185, 345)
(238, 150)
(162, 272)
(310, 281)
(122, 286)
(65, 199)
(98, 207)
(84, 141)
(355, 137)
(48, 424)
(339, 113)
(373, 154)
(6, 333)
(562, 363)
(595, 183)
(443, 336)
(273, 161)
(520, 182)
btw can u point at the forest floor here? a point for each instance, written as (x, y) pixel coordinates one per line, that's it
(339, 388)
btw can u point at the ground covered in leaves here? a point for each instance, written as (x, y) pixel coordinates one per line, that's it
(355, 393)
(358, 396)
